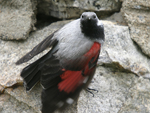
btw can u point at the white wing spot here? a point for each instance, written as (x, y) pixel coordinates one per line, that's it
(69, 100)
(85, 80)
(60, 104)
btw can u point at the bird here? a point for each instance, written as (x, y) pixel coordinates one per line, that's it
(69, 65)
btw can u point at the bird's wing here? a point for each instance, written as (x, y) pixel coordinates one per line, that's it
(61, 87)
(47, 42)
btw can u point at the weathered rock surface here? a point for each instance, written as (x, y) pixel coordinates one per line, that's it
(73, 8)
(30, 100)
(116, 18)
(116, 79)
(119, 92)
(137, 15)
(9, 104)
(138, 100)
(17, 18)
(121, 53)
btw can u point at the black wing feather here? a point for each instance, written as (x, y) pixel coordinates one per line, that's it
(32, 73)
(47, 42)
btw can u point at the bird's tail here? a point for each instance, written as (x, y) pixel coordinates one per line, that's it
(31, 75)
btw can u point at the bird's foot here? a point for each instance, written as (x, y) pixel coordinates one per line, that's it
(90, 90)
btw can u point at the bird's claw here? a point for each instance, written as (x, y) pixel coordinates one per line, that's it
(89, 90)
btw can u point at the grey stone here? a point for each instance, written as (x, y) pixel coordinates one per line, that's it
(73, 8)
(118, 92)
(137, 15)
(120, 52)
(9, 104)
(117, 18)
(138, 100)
(30, 99)
(113, 88)
(17, 18)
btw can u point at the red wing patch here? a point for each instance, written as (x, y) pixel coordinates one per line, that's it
(93, 51)
(72, 79)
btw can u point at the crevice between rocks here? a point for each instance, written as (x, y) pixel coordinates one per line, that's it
(117, 67)
(3, 89)
(139, 48)
(44, 20)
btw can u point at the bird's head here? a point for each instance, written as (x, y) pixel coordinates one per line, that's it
(91, 26)
(88, 19)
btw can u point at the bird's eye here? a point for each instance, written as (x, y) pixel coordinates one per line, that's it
(83, 16)
(94, 16)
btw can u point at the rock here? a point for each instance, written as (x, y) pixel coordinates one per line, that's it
(112, 91)
(9, 104)
(138, 99)
(120, 52)
(73, 8)
(114, 78)
(118, 92)
(1, 89)
(17, 19)
(31, 99)
(137, 15)
(117, 18)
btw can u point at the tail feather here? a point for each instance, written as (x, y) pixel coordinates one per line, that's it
(33, 81)
(31, 75)
(28, 70)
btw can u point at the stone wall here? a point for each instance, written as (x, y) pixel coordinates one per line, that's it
(123, 72)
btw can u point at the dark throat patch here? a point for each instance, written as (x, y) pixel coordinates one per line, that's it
(92, 30)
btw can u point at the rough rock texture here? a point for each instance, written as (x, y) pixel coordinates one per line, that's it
(138, 100)
(137, 15)
(9, 104)
(73, 8)
(30, 101)
(121, 53)
(120, 90)
(17, 18)
(116, 18)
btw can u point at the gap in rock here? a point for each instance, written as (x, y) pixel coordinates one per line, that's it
(44, 20)
(116, 67)
(103, 14)
(139, 49)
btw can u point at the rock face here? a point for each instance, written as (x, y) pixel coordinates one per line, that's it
(9, 104)
(123, 66)
(119, 92)
(137, 15)
(73, 8)
(120, 89)
(17, 18)
(121, 53)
